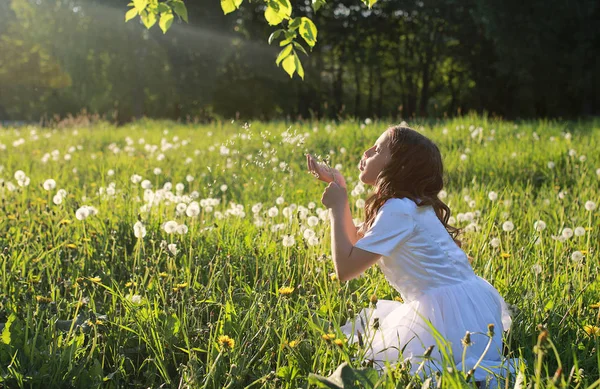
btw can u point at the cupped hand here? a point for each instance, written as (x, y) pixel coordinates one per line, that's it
(334, 195)
(323, 172)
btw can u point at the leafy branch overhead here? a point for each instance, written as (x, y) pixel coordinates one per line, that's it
(277, 13)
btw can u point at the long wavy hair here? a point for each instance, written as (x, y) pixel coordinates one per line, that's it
(415, 171)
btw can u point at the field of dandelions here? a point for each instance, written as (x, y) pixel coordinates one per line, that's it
(171, 255)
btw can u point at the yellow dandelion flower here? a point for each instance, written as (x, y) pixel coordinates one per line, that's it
(339, 342)
(12, 217)
(182, 285)
(595, 305)
(505, 255)
(64, 221)
(333, 276)
(584, 252)
(328, 337)
(286, 290)
(591, 330)
(71, 246)
(163, 274)
(99, 322)
(130, 284)
(95, 279)
(43, 300)
(293, 343)
(588, 228)
(226, 342)
(300, 191)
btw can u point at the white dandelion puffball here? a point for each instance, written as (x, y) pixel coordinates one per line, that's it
(452, 220)
(579, 231)
(288, 241)
(308, 233)
(567, 233)
(49, 184)
(157, 171)
(312, 221)
(57, 199)
(181, 207)
(146, 184)
(189, 178)
(463, 157)
(179, 187)
(313, 241)
(110, 172)
(495, 242)
(273, 211)
(279, 200)
(182, 229)
(598, 172)
(577, 256)
(537, 269)
(82, 213)
(442, 195)
(590, 205)
(256, 208)
(139, 230)
(20, 175)
(223, 188)
(493, 196)
(360, 203)
(136, 178)
(539, 225)
(508, 226)
(193, 209)
(551, 165)
(172, 248)
(170, 226)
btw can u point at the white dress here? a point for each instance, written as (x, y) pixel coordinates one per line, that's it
(436, 281)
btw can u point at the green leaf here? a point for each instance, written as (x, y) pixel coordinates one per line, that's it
(317, 4)
(140, 5)
(299, 67)
(181, 10)
(299, 47)
(162, 7)
(289, 65)
(308, 31)
(132, 13)
(229, 6)
(275, 35)
(148, 18)
(283, 54)
(277, 11)
(166, 19)
(295, 23)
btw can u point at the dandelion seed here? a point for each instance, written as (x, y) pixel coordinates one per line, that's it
(508, 226)
(139, 230)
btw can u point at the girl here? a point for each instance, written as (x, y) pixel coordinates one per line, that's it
(406, 232)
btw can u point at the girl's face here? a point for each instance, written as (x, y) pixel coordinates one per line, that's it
(374, 159)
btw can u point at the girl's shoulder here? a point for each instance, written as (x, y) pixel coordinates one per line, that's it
(403, 205)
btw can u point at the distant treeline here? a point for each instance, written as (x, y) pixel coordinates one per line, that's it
(510, 58)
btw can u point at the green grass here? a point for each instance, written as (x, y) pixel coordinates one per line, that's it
(87, 304)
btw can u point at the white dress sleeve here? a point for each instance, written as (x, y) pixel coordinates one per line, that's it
(392, 227)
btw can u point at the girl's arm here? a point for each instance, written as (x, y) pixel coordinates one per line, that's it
(349, 261)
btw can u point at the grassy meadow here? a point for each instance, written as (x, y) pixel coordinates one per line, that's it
(170, 255)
